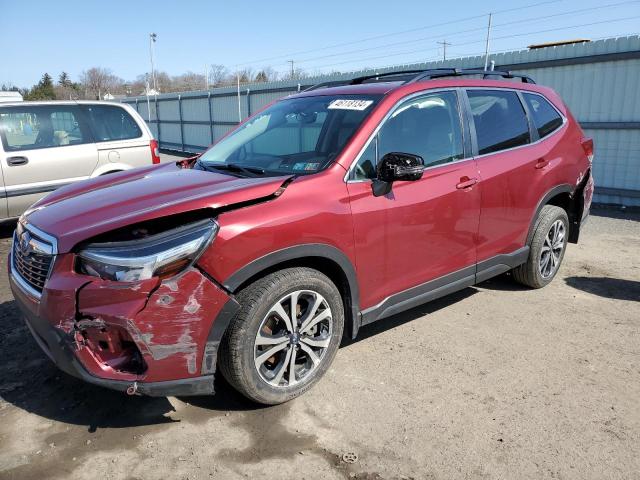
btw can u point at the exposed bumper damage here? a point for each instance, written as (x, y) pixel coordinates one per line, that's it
(155, 338)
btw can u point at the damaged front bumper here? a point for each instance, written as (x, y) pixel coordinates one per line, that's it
(154, 338)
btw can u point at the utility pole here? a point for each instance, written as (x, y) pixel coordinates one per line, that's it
(444, 44)
(206, 76)
(291, 63)
(152, 40)
(486, 48)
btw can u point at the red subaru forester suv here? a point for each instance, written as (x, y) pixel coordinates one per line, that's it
(326, 211)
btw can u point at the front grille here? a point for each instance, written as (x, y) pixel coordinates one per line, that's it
(32, 258)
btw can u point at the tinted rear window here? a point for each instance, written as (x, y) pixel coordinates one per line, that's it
(500, 120)
(109, 122)
(546, 119)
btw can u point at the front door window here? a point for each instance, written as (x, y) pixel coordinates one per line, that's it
(428, 126)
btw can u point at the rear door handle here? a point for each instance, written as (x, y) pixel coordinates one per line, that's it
(542, 162)
(466, 182)
(17, 161)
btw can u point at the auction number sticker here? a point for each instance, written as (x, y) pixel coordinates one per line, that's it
(345, 104)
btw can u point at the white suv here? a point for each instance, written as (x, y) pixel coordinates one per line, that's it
(46, 145)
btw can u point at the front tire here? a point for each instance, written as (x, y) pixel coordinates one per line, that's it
(547, 247)
(271, 355)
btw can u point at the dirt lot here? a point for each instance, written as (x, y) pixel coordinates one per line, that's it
(494, 382)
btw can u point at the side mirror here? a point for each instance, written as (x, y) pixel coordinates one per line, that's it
(396, 166)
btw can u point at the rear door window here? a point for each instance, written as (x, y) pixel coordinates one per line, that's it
(500, 120)
(545, 118)
(109, 123)
(34, 127)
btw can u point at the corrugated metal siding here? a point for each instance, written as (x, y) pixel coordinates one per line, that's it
(599, 91)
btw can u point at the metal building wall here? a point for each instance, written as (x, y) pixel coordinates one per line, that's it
(599, 81)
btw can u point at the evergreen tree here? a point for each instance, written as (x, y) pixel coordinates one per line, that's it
(63, 80)
(43, 90)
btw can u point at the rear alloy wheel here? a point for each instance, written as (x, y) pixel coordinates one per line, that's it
(285, 335)
(547, 247)
(552, 250)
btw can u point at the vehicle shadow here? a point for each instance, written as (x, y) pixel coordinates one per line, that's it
(6, 229)
(30, 381)
(394, 321)
(615, 288)
(503, 283)
(632, 213)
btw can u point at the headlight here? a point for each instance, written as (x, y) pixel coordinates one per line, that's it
(161, 255)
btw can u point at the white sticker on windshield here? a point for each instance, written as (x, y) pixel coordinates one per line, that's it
(345, 104)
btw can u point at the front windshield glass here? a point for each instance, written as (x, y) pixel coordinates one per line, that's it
(297, 135)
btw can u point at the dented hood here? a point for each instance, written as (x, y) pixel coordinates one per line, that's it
(85, 209)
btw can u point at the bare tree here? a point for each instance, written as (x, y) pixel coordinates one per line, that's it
(189, 81)
(218, 75)
(98, 81)
(164, 81)
(297, 74)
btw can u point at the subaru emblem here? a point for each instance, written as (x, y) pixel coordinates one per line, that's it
(25, 243)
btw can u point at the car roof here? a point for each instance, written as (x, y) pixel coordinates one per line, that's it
(59, 102)
(383, 88)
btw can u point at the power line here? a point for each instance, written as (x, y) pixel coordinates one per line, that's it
(402, 32)
(477, 29)
(465, 55)
(482, 40)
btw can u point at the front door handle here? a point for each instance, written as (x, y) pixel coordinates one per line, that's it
(542, 162)
(17, 161)
(466, 182)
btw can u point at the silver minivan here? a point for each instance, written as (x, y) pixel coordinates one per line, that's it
(46, 145)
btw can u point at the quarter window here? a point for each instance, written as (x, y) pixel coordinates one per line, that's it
(109, 122)
(546, 119)
(28, 128)
(500, 120)
(428, 126)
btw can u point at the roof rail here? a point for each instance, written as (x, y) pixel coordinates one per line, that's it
(404, 73)
(421, 75)
(458, 72)
(334, 83)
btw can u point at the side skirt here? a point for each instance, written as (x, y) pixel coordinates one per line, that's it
(444, 285)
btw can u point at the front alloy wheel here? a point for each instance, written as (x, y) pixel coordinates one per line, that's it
(293, 338)
(285, 335)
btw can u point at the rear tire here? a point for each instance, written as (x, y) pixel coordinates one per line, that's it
(267, 355)
(547, 247)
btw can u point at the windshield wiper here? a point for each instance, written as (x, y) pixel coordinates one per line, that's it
(233, 167)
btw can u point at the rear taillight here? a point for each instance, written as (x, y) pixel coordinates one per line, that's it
(155, 152)
(587, 146)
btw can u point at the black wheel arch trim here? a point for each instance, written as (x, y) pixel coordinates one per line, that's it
(564, 188)
(305, 251)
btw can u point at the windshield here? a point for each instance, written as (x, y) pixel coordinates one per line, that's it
(297, 135)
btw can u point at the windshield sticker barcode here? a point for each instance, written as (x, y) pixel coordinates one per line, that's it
(350, 104)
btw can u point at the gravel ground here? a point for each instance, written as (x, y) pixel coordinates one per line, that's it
(493, 382)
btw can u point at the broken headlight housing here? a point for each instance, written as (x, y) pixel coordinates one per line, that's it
(161, 255)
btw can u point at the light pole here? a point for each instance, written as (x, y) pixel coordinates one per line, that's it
(152, 40)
